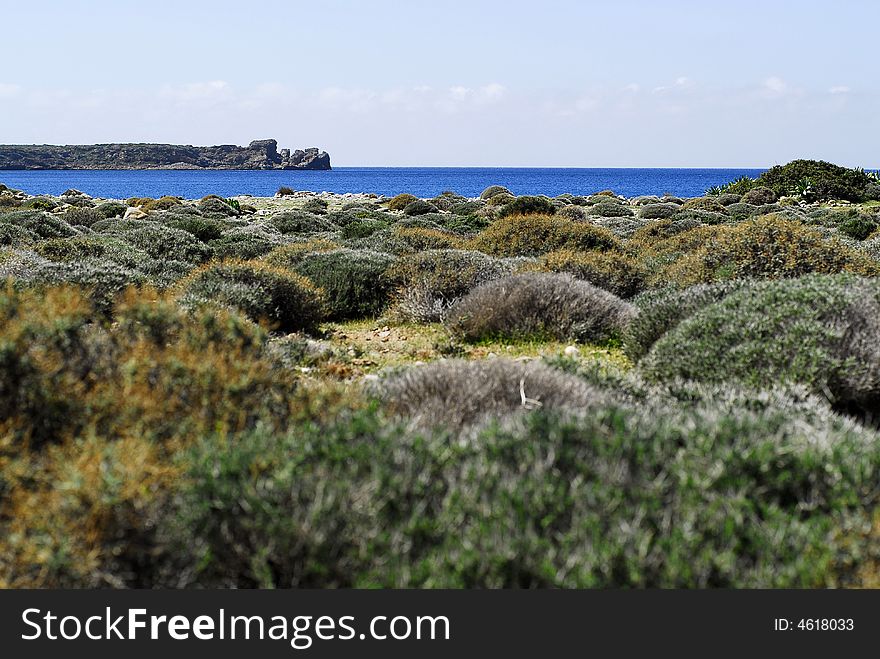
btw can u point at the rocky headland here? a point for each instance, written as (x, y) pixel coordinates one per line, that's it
(259, 154)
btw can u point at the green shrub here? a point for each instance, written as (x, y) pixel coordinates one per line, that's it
(688, 497)
(658, 211)
(539, 305)
(533, 235)
(284, 191)
(419, 207)
(817, 180)
(12, 235)
(447, 200)
(203, 228)
(83, 217)
(289, 222)
(728, 198)
(528, 206)
(661, 310)
(431, 281)
(401, 201)
(80, 248)
(110, 209)
(767, 247)
(362, 228)
(703, 204)
(243, 245)
(572, 212)
(858, 227)
(46, 360)
(467, 207)
(610, 209)
(422, 239)
(739, 187)
(500, 199)
(818, 331)
(315, 205)
(614, 272)
(41, 203)
(101, 279)
(493, 190)
(164, 243)
(759, 195)
(217, 208)
(355, 282)
(44, 225)
(739, 211)
(286, 300)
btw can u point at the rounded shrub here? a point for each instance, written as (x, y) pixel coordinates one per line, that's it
(432, 280)
(819, 331)
(110, 209)
(44, 225)
(661, 310)
(419, 207)
(401, 201)
(291, 222)
(728, 198)
(615, 272)
(539, 305)
(215, 207)
(162, 242)
(12, 235)
(285, 299)
(455, 394)
(467, 208)
(101, 279)
(447, 200)
(572, 212)
(610, 209)
(533, 235)
(703, 204)
(739, 211)
(356, 283)
(658, 211)
(315, 205)
(203, 228)
(759, 195)
(494, 190)
(527, 206)
(424, 239)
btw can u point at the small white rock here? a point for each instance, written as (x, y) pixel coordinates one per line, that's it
(571, 351)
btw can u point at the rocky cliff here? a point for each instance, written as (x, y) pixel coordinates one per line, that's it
(259, 154)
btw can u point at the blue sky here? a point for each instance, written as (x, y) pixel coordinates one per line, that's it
(482, 83)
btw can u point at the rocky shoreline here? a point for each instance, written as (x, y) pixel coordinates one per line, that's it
(259, 154)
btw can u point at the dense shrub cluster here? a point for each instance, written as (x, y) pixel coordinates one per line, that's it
(767, 247)
(818, 180)
(174, 412)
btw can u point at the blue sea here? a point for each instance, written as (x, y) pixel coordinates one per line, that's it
(389, 181)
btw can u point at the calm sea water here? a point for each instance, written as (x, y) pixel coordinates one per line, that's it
(420, 181)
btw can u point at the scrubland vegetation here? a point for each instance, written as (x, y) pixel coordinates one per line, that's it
(323, 391)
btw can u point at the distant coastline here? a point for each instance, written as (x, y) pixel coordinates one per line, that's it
(258, 155)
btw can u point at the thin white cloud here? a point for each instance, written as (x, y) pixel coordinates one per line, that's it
(8, 90)
(839, 89)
